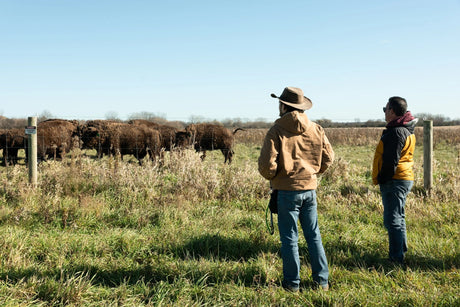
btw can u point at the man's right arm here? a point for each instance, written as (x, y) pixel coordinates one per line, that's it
(268, 156)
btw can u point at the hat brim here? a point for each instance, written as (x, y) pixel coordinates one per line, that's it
(305, 105)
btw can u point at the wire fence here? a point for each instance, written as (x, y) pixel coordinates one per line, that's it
(13, 148)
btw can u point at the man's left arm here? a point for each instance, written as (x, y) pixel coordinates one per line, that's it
(327, 155)
(392, 147)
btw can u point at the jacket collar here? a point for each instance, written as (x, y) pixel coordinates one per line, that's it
(402, 120)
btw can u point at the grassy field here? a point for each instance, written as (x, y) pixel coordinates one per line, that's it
(192, 233)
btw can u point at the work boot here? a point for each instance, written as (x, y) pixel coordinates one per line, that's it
(290, 288)
(324, 287)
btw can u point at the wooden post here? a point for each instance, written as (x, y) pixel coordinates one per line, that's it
(427, 154)
(31, 131)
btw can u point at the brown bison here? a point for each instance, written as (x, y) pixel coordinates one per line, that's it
(96, 134)
(11, 140)
(56, 137)
(205, 137)
(167, 133)
(114, 138)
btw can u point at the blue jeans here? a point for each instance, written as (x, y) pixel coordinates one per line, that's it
(294, 206)
(394, 193)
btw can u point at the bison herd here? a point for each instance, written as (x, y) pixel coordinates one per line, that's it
(140, 138)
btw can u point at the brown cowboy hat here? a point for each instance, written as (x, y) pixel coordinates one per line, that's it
(293, 96)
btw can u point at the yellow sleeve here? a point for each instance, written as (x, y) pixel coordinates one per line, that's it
(377, 164)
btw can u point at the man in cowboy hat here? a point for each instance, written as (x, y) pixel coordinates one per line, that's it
(294, 151)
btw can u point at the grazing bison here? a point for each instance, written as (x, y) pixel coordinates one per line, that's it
(115, 138)
(137, 141)
(205, 137)
(56, 137)
(167, 133)
(11, 140)
(96, 134)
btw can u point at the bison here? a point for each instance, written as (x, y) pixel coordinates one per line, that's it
(167, 133)
(115, 138)
(136, 140)
(11, 140)
(56, 137)
(206, 137)
(96, 134)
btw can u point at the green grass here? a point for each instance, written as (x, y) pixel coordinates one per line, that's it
(193, 233)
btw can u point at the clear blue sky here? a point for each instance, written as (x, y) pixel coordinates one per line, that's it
(83, 59)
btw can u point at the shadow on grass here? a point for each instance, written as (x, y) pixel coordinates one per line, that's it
(249, 274)
(184, 263)
(350, 255)
(217, 247)
(176, 263)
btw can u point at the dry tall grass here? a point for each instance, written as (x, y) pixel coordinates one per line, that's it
(359, 136)
(189, 233)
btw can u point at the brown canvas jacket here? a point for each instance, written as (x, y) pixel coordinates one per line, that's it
(294, 151)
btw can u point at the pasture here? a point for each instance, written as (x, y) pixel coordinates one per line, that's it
(190, 233)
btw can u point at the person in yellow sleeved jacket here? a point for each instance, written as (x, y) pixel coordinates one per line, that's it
(393, 172)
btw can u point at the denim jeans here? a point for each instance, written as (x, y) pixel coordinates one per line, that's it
(394, 193)
(292, 207)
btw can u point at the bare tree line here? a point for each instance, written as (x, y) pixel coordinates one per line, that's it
(438, 120)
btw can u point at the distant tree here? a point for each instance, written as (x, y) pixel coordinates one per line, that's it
(3, 122)
(44, 116)
(195, 119)
(147, 116)
(438, 120)
(111, 115)
(244, 123)
(325, 123)
(235, 122)
(8, 123)
(159, 118)
(374, 123)
(260, 123)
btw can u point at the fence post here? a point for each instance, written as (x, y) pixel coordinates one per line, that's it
(31, 131)
(427, 154)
